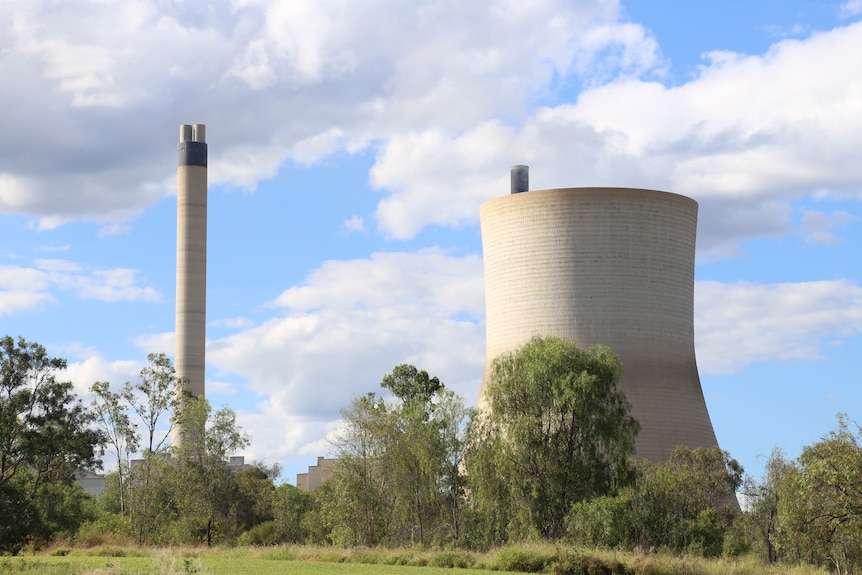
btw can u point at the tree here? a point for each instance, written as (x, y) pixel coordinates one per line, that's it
(206, 485)
(110, 410)
(409, 384)
(682, 505)
(46, 435)
(290, 506)
(397, 479)
(767, 499)
(558, 431)
(829, 488)
(152, 398)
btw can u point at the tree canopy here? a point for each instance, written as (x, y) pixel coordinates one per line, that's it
(46, 436)
(557, 431)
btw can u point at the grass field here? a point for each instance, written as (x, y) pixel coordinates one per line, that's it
(332, 561)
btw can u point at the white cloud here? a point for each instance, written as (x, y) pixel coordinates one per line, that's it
(92, 368)
(232, 322)
(749, 135)
(114, 230)
(850, 8)
(313, 78)
(23, 288)
(156, 343)
(742, 323)
(349, 324)
(353, 224)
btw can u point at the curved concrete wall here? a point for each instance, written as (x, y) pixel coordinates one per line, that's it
(604, 265)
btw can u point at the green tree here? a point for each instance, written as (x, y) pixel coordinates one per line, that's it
(206, 486)
(827, 511)
(153, 398)
(290, 505)
(397, 479)
(255, 492)
(409, 384)
(683, 505)
(767, 499)
(46, 435)
(111, 416)
(558, 431)
(355, 503)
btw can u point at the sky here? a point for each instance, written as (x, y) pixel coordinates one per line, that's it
(350, 147)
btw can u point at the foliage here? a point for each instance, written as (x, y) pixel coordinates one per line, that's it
(290, 507)
(819, 502)
(46, 436)
(397, 478)
(153, 397)
(205, 486)
(111, 416)
(558, 431)
(683, 505)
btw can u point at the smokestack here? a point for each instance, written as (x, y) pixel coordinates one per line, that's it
(190, 359)
(520, 179)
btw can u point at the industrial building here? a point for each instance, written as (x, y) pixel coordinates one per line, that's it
(613, 266)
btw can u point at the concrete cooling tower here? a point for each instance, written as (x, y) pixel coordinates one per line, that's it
(613, 266)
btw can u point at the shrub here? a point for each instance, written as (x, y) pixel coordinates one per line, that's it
(524, 559)
(452, 559)
(265, 533)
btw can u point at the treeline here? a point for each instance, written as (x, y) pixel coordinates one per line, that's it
(551, 460)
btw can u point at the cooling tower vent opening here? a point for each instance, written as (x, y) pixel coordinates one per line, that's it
(520, 179)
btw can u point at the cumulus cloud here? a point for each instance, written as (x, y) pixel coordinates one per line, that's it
(26, 288)
(850, 8)
(92, 367)
(746, 137)
(112, 78)
(346, 326)
(742, 323)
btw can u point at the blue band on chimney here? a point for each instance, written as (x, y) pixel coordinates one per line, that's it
(192, 154)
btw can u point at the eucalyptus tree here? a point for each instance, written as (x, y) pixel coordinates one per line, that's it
(206, 485)
(397, 479)
(46, 436)
(110, 409)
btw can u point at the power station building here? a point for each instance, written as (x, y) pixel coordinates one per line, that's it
(613, 266)
(191, 303)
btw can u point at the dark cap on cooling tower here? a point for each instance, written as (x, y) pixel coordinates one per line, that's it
(520, 179)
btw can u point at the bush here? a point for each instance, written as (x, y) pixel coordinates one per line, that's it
(524, 559)
(265, 533)
(452, 559)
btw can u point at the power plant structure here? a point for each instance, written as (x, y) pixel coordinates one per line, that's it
(191, 304)
(613, 266)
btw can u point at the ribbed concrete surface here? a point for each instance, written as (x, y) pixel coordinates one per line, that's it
(604, 265)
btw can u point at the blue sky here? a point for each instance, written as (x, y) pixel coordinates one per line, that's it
(351, 145)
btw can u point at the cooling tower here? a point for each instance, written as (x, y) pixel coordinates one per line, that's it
(191, 302)
(613, 266)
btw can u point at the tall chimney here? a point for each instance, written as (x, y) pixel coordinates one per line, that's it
(190, 359)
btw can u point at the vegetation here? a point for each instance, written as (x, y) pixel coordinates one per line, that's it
(558, 432)
(292, 560)
(45, 437)
(543, 482)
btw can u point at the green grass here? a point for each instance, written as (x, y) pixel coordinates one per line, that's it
(290, 560)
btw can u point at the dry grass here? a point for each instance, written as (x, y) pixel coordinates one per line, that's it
(529, 558)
